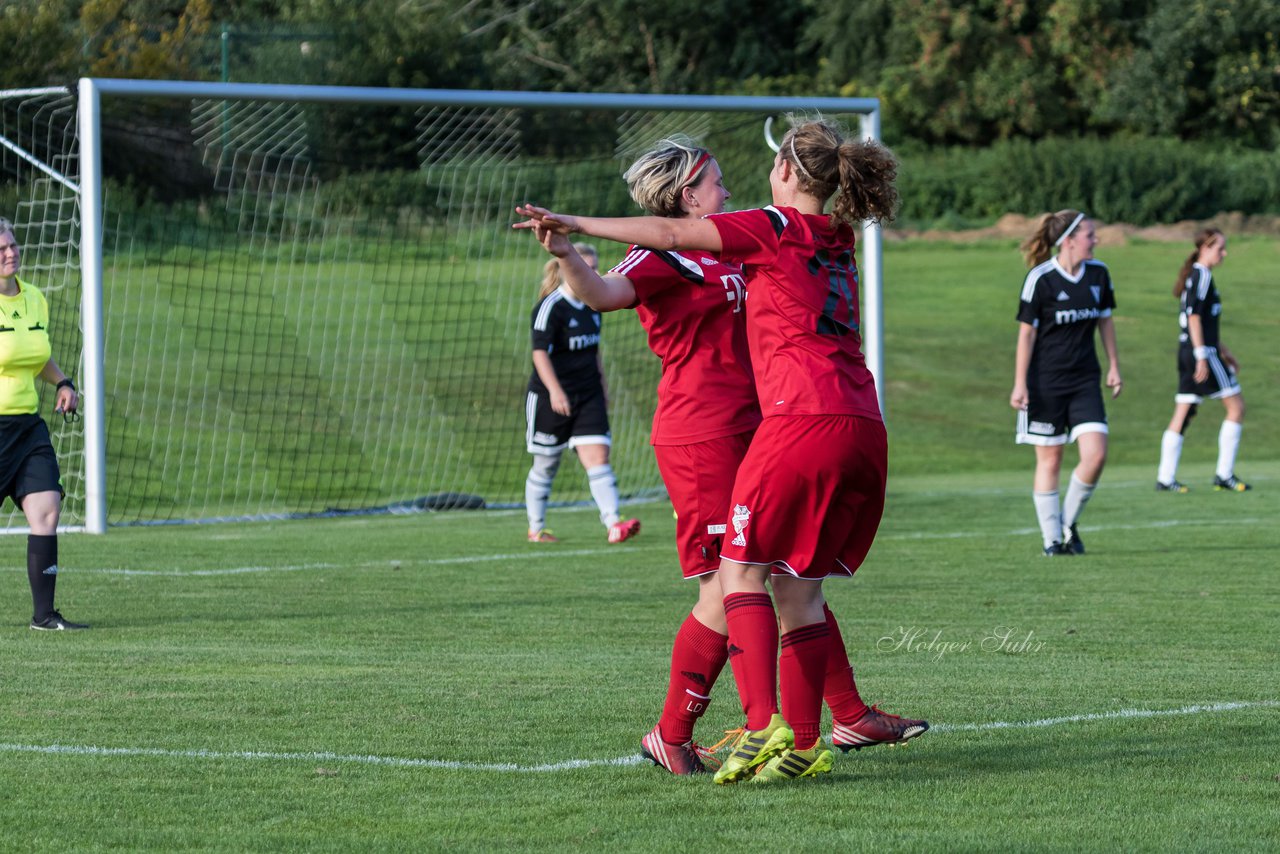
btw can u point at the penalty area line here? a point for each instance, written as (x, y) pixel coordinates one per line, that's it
(570, 764)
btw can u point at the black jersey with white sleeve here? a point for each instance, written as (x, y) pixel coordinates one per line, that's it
(1064, 311)
(570, 333)
(1200, 297)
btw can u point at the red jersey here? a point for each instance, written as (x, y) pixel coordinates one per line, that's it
(690, 304)
(802, 311)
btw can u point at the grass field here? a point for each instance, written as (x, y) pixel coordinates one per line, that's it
(433, 682)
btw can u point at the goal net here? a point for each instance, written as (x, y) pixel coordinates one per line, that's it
(312, 300)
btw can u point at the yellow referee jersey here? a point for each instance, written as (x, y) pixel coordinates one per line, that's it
(24, 348)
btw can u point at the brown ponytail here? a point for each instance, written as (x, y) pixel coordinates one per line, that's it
(1050, 228)
(862, 171)
(1205, 235)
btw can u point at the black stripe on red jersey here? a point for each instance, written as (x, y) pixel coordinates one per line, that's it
(776, 219)
(686, 268)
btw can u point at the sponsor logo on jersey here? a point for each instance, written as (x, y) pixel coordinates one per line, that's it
(717, 529)
(1075, 315)
(741, 516)
(582, 342)
(735, 290)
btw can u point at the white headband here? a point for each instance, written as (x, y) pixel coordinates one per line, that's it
(1070, 229)
(796, 158)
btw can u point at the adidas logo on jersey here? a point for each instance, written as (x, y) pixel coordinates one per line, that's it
(1062, 296)
(573, 322)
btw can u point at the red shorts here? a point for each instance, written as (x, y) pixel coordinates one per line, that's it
(809, 495)
(699, 478)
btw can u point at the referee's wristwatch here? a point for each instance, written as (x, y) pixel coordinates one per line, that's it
(65, 383)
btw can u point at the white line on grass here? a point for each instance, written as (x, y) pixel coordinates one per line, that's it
(543, 553)
(404, 762)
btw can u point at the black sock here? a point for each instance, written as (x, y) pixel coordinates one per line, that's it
(42, 572)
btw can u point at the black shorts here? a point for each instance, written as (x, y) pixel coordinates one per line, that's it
(1055, 419)
(1221, 383)
(548, 432)
(27, 461)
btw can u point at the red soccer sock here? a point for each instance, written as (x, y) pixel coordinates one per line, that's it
(840, 690)
(803, 667)
(753, 651)
(697, 658)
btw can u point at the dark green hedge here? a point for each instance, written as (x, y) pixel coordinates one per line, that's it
(1138, 181)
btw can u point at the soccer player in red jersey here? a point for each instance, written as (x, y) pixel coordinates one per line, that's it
(808, 496)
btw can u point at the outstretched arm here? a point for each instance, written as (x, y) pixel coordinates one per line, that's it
(655, 232)
(609, 292)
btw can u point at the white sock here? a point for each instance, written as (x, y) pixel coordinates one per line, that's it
(1050, 516)
(537, 489)
(1228, 444)
(1078, 494)
(604, 489)
(1170, 452)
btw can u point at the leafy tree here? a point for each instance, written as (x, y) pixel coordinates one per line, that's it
(40, 47)
(1204, 69)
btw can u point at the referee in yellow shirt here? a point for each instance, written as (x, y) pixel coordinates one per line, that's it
(28, 467)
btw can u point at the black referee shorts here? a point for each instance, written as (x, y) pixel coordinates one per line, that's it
(27, 461)
(548, 432)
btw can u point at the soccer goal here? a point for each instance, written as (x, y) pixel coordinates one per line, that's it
(305, 300)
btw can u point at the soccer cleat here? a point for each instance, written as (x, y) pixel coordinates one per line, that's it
(1073, 544)
(875, 727)
(55, 622)
(542, 535)
(680, 759)
(1056, 550)
(622, 531)
(753, 748)
(793, 764)
(1172, 486)
(1231, 484)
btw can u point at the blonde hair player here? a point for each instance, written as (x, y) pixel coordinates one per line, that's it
(808, 496)
(1066, 296)
(692, 306)
(566, 404)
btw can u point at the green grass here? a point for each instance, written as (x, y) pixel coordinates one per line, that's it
(267, 696)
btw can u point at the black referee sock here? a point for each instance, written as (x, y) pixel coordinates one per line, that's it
(42, 572)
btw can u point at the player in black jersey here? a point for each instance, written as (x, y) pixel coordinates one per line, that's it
(1056, 375)
(1205, 368)
(566, 404)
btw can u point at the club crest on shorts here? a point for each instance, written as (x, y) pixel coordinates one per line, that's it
(741, 516)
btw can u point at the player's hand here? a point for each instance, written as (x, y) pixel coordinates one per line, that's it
(536, 217)
(554, 242)
(1202, 371)
(1114, 383)
(1018, 398)
(560, 403)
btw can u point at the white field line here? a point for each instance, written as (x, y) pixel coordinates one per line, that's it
(544, 553)
(570, 764)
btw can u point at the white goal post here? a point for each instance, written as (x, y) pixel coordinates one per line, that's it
(94, 226)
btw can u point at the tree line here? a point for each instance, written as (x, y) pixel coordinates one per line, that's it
(949, 72)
